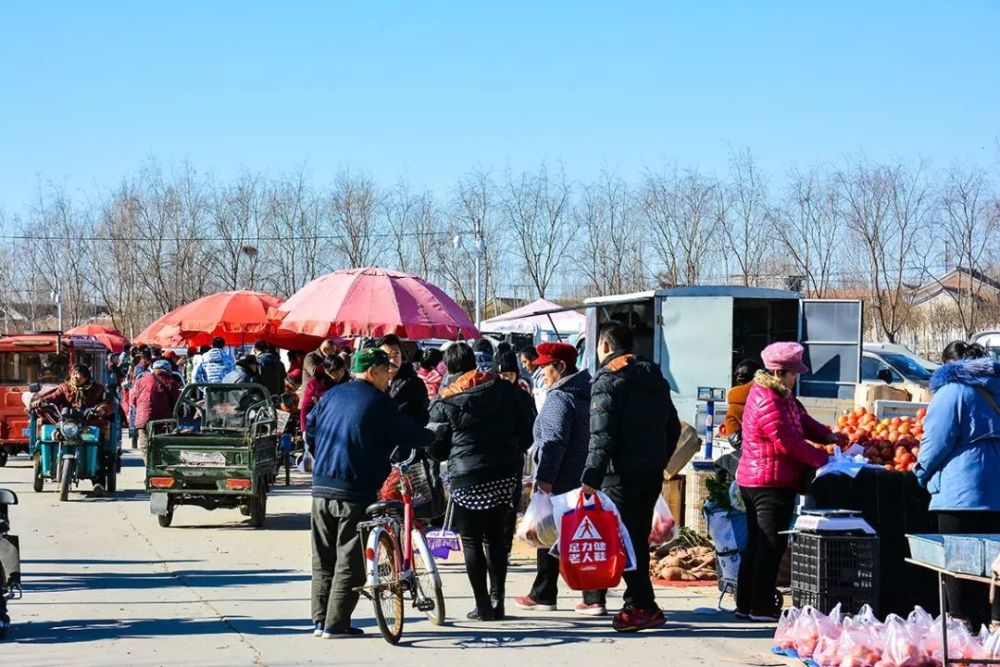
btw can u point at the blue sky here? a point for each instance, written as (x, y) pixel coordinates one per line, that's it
(427, 90)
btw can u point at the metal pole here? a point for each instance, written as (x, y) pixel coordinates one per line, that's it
(479, 286)
(709, 428)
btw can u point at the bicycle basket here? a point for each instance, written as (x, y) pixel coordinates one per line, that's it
(429, 498)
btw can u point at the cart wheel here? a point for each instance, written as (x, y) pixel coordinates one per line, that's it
(258, 507)
(36, 468)
(67, 478)
(779, 600)
(3, 458)
(165, 519)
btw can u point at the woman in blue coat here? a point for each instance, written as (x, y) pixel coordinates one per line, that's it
(959, 461)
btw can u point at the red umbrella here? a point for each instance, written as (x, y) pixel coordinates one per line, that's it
(373, 302)
(109, 337)
(238, 317)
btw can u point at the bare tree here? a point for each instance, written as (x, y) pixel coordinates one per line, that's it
(417, 231)
(473, 218)
(611, 256)
(684, 212)
(809, 231)
(969, 220)
(536, 208)
(887, 212)
(744, 218)
(294, 226)
(354, 214)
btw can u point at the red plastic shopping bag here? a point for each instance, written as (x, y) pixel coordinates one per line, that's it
(590, 547)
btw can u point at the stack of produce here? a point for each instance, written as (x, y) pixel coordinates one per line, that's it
(892, 442)
(864, 641)
(685, 564)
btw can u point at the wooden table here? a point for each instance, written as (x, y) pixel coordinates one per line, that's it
(943, 597)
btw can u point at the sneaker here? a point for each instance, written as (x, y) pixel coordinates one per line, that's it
(765, 616)
(595, 609)
(318, 630)
(331, 633)
(633, 620)
(526, 603)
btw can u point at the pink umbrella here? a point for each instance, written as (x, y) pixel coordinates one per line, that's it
(373, 302)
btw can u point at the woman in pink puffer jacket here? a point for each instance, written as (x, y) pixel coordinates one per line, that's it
(773, 466)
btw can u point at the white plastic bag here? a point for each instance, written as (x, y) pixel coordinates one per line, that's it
(566, 502)
(305, 463)
(664, 527)
(538, 526)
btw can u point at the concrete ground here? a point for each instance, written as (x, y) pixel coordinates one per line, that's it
(105, 585)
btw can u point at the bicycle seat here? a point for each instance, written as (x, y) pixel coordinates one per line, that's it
(7, 497)
(384, 507)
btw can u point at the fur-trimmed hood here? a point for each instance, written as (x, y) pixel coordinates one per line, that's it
(972, 372)
(768, 381)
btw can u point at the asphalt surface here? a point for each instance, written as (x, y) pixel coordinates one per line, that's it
(106, 585)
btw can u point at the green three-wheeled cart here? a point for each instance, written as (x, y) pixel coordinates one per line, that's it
(218, 451)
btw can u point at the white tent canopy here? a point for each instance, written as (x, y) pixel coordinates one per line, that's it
(526, 320)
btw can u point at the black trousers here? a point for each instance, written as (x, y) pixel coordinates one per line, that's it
(769, 511)
(635, 497)
(968, 600)
(545, 589)
(484, 544)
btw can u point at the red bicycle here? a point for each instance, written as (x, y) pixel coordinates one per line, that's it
(397, 558)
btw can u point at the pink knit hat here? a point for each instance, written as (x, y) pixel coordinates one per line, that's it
(784, 357)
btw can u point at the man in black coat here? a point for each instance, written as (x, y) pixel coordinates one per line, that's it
(633, 432)
(272, 371)
(406, 387)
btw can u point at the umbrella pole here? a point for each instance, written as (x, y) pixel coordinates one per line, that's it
(559, 336)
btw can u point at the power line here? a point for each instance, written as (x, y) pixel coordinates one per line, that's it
(220, 239)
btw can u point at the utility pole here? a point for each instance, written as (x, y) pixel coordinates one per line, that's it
(480, 254)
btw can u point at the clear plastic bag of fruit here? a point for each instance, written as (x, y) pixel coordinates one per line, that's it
(902, 646)
(961, 643)
(991, 645)
(866, 616)
(812, 625)
(859, 645)
(783, 635)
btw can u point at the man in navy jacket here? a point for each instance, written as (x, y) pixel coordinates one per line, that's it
(355, 427)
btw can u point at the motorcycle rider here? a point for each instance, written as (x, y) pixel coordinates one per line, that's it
(80, 393)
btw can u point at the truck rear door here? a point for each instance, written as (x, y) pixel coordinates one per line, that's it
(831, 331)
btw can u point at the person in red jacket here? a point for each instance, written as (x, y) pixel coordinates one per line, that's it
(333, 372)
(776, 457)
(154, 396)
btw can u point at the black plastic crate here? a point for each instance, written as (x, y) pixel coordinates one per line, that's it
(832, 568)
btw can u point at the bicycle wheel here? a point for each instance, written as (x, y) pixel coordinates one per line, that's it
(427, 577)
(387, 594)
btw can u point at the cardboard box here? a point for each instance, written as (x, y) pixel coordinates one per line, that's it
(867, 393)
(688, 445)
(673, 493)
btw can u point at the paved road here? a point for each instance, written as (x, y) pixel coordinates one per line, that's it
(105, 585)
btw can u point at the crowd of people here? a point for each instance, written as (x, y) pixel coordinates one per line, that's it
(477, 410)
(482, 410)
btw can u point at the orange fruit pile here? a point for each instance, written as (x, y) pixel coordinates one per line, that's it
(892, 442)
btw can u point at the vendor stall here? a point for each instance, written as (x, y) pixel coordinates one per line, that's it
(893, 504)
